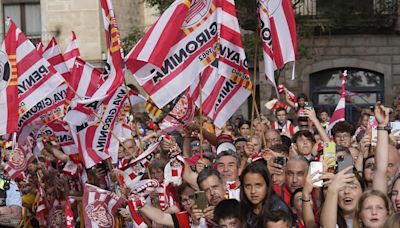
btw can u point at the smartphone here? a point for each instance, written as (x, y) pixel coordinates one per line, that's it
(344, 162)
(372, 123)
(329, 151)
(308, 105)
(280, 160)
(200, 200)
(316, 166)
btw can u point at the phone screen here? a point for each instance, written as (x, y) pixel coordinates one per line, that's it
(200, 200)
(316, 167)
(330, 152)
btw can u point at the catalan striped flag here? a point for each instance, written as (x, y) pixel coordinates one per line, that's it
(36, 77)
(9, 83)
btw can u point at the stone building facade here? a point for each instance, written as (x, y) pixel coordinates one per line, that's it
(59, 17)
(372, 58)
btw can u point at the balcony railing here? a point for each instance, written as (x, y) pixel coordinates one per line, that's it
(348, 16)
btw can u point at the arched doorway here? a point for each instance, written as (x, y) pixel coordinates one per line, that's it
(364, 87)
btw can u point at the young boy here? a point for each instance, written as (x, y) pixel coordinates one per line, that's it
(227, 214)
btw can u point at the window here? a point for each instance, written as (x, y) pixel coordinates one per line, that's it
(26, 15)
(363, 88)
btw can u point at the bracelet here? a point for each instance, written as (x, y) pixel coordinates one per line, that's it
(305, 200)
(383, 128)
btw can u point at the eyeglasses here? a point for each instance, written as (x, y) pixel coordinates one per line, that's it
(188, 200)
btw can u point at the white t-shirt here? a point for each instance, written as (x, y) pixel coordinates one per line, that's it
(13, 195)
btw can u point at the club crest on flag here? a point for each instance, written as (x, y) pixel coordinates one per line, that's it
(98, 213)
(5, 70)
(198, 12)
(18, 160)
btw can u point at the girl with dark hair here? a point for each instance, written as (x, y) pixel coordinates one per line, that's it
(257, 196)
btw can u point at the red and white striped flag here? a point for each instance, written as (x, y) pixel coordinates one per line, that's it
(71, 52)
(221, 96)
(36, 77)
(39, 47)
(46, 110)
(41, 212)
(176, 49)
(226, 82)
(94, 138)
(63, 134)
(9, 83)
(266, 38)
(53, 55)
(18, 162)
(100, 206)
(340, 110)
(129, 175)
(114, 69)
(278, 34)
(84, 82)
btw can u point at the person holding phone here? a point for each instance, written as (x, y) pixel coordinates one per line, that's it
(341, 198)
(210, 181)
(295, 173)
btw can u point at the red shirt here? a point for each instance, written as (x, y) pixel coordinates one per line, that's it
(283, 192)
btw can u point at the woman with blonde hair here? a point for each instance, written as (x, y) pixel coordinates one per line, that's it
(373, 209)
(393, 221)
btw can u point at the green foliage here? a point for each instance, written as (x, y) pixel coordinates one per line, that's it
(131, 39)
(161, 5)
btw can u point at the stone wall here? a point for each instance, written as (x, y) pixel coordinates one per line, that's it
(60, 17)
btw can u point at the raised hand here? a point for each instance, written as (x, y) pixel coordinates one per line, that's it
(381, 114)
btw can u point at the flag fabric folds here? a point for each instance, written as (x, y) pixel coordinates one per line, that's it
(9, 83)
(225, 84)
(53, 55)
(176, 49)
(85, 80)
(71, 52)
(36, 77)
(339, 113)
(100, 206)
(18, 161)
(95, 138)
(278, 35)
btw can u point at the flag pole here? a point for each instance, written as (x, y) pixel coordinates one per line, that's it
(201, 117)
(253, 91)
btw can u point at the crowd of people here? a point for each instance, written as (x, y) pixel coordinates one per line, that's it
(258, 173)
